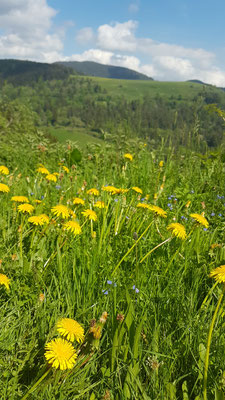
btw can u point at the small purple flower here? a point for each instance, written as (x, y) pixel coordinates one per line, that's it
(170, 198)
(42, 197)
(31, 193)
(58, 187)
(105, 291)
(205, 229)
(109, 282)
(116, 200)
(212, 214)
(136, 289)
(169, 205)
(220, 215)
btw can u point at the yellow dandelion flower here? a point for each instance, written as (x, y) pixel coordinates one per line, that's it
(41, 297)
(157, 210)
(39, 219)
(70, 329)
(142, 205)
(61, 210)
(44, 218)
(55, 174)
(66, 169)
(73, 227)
(99, 204)
(20, 199)
(60, 354)
(43, 170)
(155, 196)
(77, 201)
(128, 156)
(25, 208)
(188, 203)
(37, 201)
(200, 219)
(120, 191)
(161, 164)
(72, 213)
(177, 230)
(90, 214)
(51, 177)
(4, 188)
(137, 189)
(4, 280)
(97, 331)
(93, 191)
(4, 170)
(110, 189)
(218, 274)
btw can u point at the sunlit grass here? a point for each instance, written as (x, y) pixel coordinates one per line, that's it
(125, 246)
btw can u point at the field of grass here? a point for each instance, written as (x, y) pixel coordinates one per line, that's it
(132, 89)
(105, 284)
(78, 135)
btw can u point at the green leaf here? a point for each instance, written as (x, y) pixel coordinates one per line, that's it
(74, 157)
(219, 395)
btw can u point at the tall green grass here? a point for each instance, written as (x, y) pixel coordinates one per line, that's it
(153, 344)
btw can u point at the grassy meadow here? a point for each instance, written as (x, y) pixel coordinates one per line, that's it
(121, 240)
(78, 135)
(135, 89)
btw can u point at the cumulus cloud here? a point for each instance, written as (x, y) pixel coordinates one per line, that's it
(26, 28)
(27, 32)
(118, 44)
(106, 57)
(119, 36)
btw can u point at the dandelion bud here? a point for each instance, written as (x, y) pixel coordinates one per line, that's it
(120, 317)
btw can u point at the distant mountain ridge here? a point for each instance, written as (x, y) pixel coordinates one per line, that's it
(20, 72)
(92, 68)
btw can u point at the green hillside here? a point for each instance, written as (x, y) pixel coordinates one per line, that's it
(20, 72)
(91, 68)
(79, 135)
(138, 89)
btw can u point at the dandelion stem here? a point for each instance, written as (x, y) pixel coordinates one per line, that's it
(206, 365)
(32, 389)
(156, 247)
(129, 251)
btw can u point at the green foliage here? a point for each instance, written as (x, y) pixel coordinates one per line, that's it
(154, 111)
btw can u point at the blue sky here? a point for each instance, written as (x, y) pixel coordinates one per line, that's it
(165, 39)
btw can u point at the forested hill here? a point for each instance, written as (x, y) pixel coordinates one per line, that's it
(21, 72)
(104, 71)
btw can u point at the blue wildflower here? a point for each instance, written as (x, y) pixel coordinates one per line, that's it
(136, 289)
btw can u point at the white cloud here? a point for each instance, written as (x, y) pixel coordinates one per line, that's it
(117, 44)
(106, 57)
(26, 28)
(117, 36)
